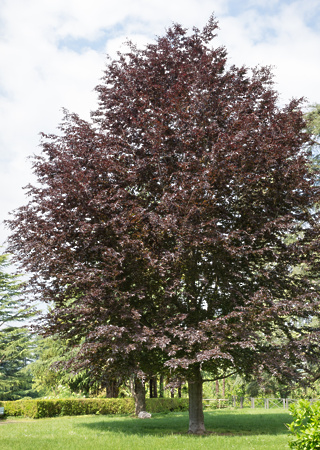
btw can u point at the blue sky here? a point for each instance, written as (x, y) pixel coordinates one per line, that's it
(53, 54)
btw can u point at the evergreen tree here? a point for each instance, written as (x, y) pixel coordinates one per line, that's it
(16, 343)
(313, 121)
(51, 377)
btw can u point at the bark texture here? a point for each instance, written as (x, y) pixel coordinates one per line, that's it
(139, 394)
(112, 389)
(196, 417)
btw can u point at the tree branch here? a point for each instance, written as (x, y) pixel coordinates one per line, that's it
(220, 378)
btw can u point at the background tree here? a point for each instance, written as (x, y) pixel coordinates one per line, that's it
(15, 352)
(51, 377)
(159, 231)
(48, 376)
(313, 127)
(313, 120)
(16, 343)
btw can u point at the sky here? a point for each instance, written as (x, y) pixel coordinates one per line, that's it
(53, 53)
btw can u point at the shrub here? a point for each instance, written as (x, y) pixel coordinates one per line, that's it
(305, 426)
(154, 405)
(26, 408)
(40, 408)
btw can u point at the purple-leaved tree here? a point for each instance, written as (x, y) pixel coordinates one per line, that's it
(170, 232)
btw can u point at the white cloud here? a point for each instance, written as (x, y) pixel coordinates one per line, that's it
(281, 39)
(53, 55)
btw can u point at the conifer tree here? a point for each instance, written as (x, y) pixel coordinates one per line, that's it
(16, 343)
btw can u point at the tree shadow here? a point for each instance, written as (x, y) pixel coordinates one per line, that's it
(247, 423)
(226, 424)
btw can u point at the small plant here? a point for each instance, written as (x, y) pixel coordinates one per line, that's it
(305, 426)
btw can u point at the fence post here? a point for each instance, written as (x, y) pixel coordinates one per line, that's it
(252, 402)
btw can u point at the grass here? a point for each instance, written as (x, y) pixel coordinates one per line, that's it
(230, 429)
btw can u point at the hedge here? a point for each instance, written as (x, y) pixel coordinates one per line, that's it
(154, 405)
(73, 407)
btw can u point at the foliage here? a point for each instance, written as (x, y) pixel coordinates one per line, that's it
(158, 231)
(313, 127)
(305, 426)
(70, 407)
(313, 120)
(49, 376)
(45, 377)
(16, 349)
(157, 405)
(16, 343)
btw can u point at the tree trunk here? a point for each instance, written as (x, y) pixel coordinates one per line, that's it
(223, 388)
(153, 387)
(196, 417)
(217, 388)
(112, 389)
(139, 395)
(161, 386)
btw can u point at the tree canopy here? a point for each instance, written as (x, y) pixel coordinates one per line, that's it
(159, 231)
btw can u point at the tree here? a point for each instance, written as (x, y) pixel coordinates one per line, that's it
(313, 120)
(159, 230)
(15, 354)
(16, 344)
(50, 376)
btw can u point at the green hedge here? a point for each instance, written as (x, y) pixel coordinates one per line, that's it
(154, 405)
(75, 407)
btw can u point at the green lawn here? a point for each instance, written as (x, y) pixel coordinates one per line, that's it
(239, 429)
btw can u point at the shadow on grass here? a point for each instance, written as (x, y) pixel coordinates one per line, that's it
(221, 423)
